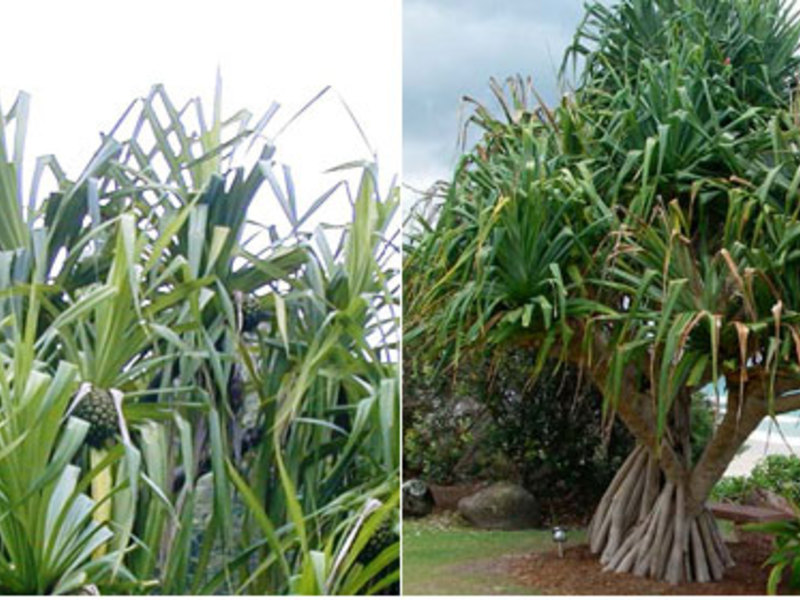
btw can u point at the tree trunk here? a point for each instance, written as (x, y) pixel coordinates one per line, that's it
(652, 520)
(650, 526)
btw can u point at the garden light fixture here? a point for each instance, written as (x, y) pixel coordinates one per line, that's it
(559, 537)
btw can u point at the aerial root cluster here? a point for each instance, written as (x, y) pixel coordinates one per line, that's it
(642, 526)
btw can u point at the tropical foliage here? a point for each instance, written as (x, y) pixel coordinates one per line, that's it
(784, 562)
(777, 473)
(497, 423)
(251, 366)
(646, 230)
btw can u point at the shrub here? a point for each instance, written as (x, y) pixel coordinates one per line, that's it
(494, 421)
(445, 424)
(435, 445)
(776, 473)
(552, 431)
(731, 489)
(779, 474)
(786, 553)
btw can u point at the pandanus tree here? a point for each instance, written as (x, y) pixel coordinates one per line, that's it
(251, 367)
(646, 230)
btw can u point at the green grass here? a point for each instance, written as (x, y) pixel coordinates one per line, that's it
(442, 556)
(441, 559)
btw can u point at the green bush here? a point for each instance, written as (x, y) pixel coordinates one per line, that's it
(786, 552)
(494, 421)
(435, 445)
(552, 429)
(445, 425)
(776, 473)
(779, 474)
(731, 489)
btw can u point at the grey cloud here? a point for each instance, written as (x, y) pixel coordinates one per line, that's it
(566, 11)
(451, 49)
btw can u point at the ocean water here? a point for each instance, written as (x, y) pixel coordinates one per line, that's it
(780, 435)
(789, 423)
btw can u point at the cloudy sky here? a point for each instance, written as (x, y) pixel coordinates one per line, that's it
(83, 62)
(452, 47)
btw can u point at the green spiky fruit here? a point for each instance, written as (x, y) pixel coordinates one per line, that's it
(97, 408)
(252, 313)
(383, 537)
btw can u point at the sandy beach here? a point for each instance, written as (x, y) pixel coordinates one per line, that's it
(759, 445)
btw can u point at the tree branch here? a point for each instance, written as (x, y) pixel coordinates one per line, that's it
(742, 417)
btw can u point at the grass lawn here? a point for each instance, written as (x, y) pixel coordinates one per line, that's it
(441, 557)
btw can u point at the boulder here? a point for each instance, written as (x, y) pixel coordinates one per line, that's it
(501, 506)
(447, 497)
(417, 498)
(768, 499)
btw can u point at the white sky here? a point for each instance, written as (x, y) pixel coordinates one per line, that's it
(84, 61)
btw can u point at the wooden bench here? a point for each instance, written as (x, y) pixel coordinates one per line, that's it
(748, 514)
(739, 515)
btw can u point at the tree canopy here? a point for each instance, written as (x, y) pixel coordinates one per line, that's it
(645, 226)
(646, 229)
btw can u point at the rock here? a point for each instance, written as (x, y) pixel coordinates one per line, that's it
(768, 499)
(417, 498)
(447, 497)
(501, 506)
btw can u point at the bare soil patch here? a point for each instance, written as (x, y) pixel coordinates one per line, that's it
(580, 573)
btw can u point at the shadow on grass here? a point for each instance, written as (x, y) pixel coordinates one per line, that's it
(441, 556)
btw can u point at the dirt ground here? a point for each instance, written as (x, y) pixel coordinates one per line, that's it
(580, 573)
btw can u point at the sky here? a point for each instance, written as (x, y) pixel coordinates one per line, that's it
(451, 48)
(84, 61)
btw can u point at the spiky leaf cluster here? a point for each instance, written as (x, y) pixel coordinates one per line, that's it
(645, 226)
